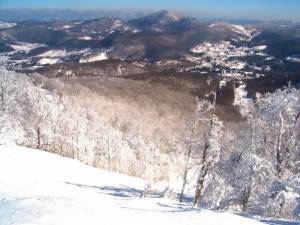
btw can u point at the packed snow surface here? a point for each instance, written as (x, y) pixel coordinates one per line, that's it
(41, 188)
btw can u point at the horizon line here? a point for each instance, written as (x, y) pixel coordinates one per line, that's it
(185, 13)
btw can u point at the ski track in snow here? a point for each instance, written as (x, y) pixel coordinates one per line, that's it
(40, 188)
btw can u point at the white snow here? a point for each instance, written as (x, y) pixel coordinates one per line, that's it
(260, 47)
(237, 65)
(270, 58)
(94, 58)
(116, 24)
(25, 46)
(293, 59)
(40, 188)
(59, 53)
(53, 53)
(46, 61)
(135, 31)
(241, 100)
(239, 29)
(119, 69)
(139, 64)
(85, 38)
(174, 16)
(261, 54)
(226, 55)
(222, 83)
(242, 30)
(56, 55)
(67, 26)
(219, 54)
(5, 25)
(239, 94)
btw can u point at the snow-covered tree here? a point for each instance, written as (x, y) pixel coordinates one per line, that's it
(211, 149)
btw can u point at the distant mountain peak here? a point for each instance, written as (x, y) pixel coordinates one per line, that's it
(168, 14)
(156, 20)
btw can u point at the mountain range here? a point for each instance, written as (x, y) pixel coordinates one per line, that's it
(163, 42)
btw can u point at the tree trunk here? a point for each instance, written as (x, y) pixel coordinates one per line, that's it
(185, 173)
(200, 185)
(38, 131)
(278, 146)
(202, 174)
(2, 98)
(246, 197)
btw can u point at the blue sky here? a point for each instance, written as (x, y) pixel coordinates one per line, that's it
(248, 9)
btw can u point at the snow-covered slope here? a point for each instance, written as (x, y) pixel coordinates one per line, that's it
(41, 188)
(238, 29)
(25, 46)
(94, 58)
(5, 25)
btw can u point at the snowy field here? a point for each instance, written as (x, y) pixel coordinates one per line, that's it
(37, 187)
